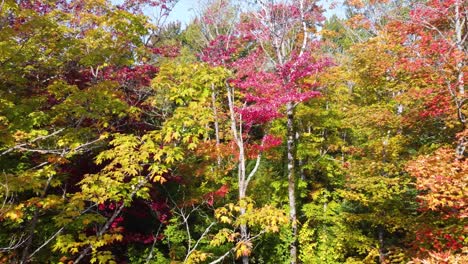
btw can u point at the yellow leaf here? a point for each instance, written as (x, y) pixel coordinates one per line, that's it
(225, 219)
(14, 215)
(159, 179)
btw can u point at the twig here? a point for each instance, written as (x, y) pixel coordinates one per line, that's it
(111, 219)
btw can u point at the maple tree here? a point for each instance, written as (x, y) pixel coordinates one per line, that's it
(261, 132)
(441, 28)
(284, 31)
(58, 108)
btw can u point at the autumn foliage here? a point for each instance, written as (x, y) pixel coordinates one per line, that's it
(260, 132)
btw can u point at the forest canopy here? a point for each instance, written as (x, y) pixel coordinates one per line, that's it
(259, 132)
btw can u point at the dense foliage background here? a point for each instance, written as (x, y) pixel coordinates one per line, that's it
(261, 132)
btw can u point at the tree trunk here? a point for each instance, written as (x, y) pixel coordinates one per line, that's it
(244, 236)
(460, 44)
(216, 124)
(459, 21)
(242, 195)
(32, 226)
(242, 190)
(242, 180)
(381, 246)
(291, 180)
(460, 40)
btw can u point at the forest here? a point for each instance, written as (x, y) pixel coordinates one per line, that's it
(262, 131)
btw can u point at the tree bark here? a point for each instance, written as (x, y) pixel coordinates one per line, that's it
(459, 24)
(381, 246)
(291, 179)
(460, 21)
(216, 124)
(32, 225)
(242, 180)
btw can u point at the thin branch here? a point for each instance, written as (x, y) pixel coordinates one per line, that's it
(198, 241)
(112, 218)
(221, 258)
(150, 255)
(46, 242)
(13, 244)
(32, 141)
(218, 260)
(254, 170)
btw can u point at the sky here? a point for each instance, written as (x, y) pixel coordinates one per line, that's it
(184, 10)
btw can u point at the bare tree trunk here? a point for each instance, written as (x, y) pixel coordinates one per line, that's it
(381, 246)
(242, 180)
(460, 22)
(461, 37)
(216, 123)
(242, 195)
(291, 180)
(31, 229)
(244, 237)
(33, 224)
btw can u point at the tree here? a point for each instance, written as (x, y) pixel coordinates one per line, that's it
(125, 139)
(435, 35)
(284, 32)
(58, 107)
(440, 179)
